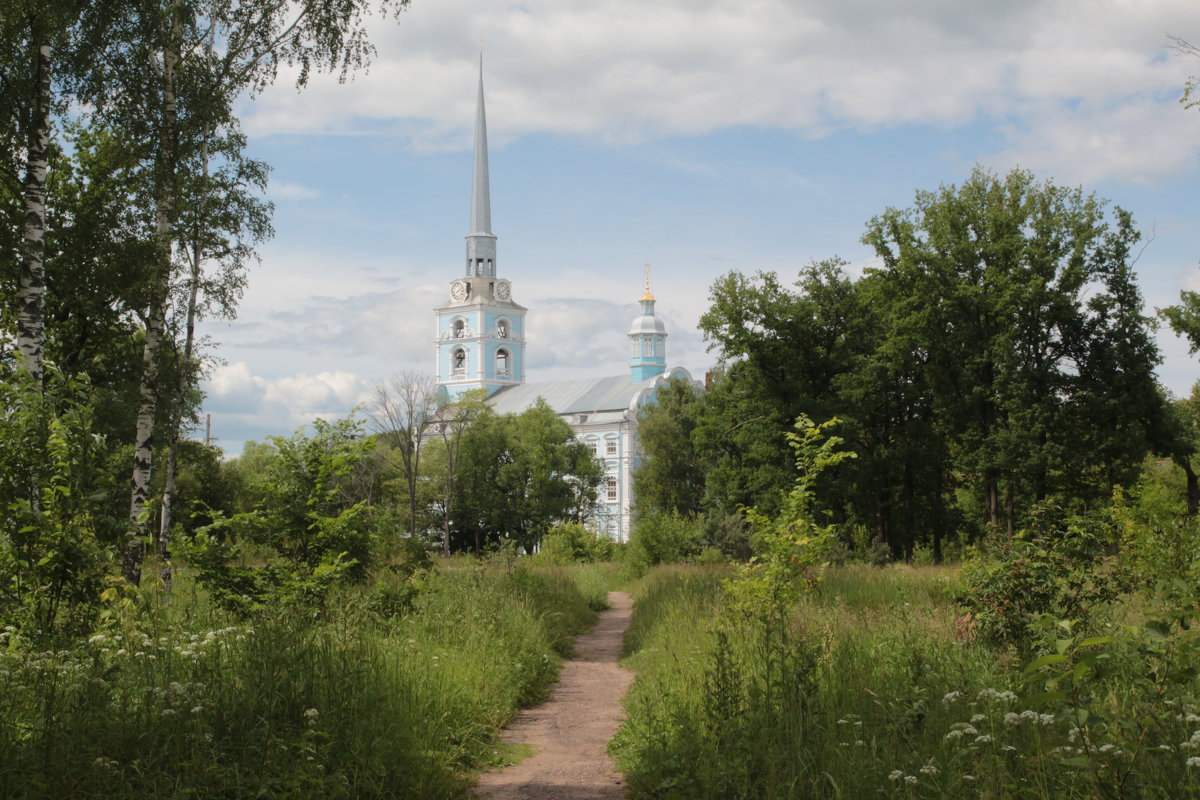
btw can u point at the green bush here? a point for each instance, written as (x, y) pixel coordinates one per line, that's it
(572, 543)
(662, 538)
(1059, 565)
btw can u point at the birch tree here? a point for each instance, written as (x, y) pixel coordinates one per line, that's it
(30, 33)
(172, 94)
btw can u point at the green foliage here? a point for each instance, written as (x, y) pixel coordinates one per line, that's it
(790, 548)
(671, 477)
(309, 520)
(572, 543)
(518, 476)
(55, 534)
(662, 538)
(1060, 566)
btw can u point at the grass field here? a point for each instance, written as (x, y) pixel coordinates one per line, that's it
(394, 690)
(875, 687)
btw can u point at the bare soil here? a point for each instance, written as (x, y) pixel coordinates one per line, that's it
(568, 733)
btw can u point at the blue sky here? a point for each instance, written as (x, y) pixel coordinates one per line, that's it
(699, 136)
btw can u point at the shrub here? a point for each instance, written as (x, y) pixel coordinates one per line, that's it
(662, 538)
(1058, 565)
(572, 543)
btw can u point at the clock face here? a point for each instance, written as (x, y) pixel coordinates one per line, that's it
(503, 291)
(458, 291)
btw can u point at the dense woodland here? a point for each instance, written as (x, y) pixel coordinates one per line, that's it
(355, 609)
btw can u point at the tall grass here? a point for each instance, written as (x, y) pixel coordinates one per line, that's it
(391, 692)
(873, 689)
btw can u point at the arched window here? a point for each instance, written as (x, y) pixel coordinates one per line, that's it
(460, 328)
(458, 362)
(647, 346)
(502, 367)
(502, 329)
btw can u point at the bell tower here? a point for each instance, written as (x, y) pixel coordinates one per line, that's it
(480, 330)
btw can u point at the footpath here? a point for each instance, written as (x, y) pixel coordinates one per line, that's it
(569, 732)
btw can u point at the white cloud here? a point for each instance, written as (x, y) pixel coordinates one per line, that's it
(248, 406)
(286, 190)
(625, 70)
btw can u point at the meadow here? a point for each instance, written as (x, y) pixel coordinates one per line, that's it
(874, 684)
(395, 688)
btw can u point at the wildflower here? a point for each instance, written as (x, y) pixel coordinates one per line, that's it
(311, 716)
(843, 722)
(978, 718)
(950, 697)
(197, 709)
(910, 779)
(1046, 719)
(984, 739)
(968, 777)
(928, 769)
(860, 743)
(1107, 748)
(952, 735)
(1194, 761)
(1012, 719)
(895, 775)
(99, 637)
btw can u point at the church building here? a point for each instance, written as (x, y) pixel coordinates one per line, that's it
(481, 345)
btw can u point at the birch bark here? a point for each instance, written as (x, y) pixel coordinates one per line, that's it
(31, 327)
(165, 198)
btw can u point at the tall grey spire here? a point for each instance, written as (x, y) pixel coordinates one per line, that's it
(481, 242)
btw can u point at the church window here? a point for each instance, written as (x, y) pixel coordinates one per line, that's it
(502, 370)
(458, 362)
(634, 347)
(610, 488)
(610, 448)
(459, 328)
(502, 329)
(647, 346)
(660, 348)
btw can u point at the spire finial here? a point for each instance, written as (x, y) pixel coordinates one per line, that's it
(647, 295)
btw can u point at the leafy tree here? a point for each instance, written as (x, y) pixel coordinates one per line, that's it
(453, 421)
(519, 475)
(671, 476)
(177, 93)
(1037, 386)
(308, 517)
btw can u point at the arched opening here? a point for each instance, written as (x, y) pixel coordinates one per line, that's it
(458, 362)
(502, 364)
(460, 328)
(502, 329)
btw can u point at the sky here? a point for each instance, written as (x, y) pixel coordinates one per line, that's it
(700, 137)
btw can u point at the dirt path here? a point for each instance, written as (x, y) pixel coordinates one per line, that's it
(569, 731)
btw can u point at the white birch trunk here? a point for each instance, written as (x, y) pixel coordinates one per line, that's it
(143, 446)
(166, 518)
(31, 325)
